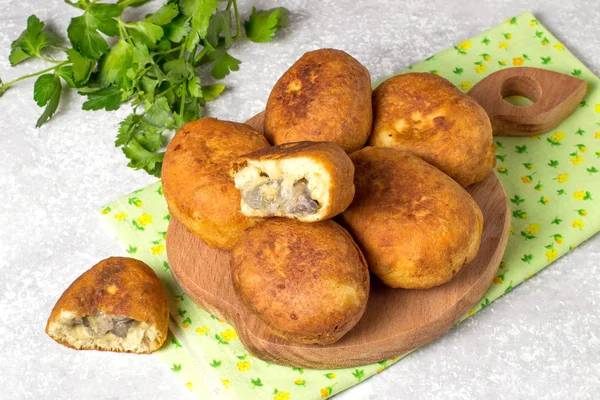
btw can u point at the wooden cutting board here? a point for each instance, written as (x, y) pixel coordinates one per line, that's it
(395, 321)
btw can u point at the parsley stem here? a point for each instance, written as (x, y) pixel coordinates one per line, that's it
(167, 51)
(123, 31)
(41, 57)
(182, 106)
(237, 20)
(6, 85)
(165, 91)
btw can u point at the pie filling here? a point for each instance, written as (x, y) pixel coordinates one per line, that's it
(281, 196)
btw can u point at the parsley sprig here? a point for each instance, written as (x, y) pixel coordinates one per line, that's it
(153, 64)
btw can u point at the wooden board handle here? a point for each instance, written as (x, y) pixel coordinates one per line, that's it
(555, 96)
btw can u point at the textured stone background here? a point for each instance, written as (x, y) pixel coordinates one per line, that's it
(541, 341)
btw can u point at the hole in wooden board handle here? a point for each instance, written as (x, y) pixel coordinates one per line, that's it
(521, 86)
(555, 96)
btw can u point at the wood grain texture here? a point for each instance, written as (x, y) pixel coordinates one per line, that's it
(555, 96)
(395, 321)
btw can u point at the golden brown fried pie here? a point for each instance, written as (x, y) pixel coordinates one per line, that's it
(196, 182)
(416, 226)
(324, 97)
(309, 283)
(117, 305)
(309, 181)
(428, 116)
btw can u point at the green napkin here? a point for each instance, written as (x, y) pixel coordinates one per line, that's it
(552, 181)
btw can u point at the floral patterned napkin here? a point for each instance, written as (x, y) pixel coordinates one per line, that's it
(552, 181)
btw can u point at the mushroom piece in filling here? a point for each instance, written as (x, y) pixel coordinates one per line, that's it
(100, 324)
(282, 196)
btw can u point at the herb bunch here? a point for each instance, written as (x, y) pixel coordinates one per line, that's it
(153, 64)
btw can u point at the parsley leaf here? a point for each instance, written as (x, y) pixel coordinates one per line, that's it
(262, 25)
(143, 159)
(178, 69)
(163, 15)
(46, 92)
(211, 92)
(83, 31)
(200, 12)
(43, 89)
(193, 86)
(146, 32)
(223, 63)
(220, 23)
(108, 98)
(31, 42)
(114, 64)
(66, 72)
(158, 113)
(177, 29)
(82, 66)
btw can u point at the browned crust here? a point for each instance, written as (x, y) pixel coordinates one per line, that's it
(439, 123)
(136, 293)
(289, 274)
(330, 155)
(196, 182)
(324, 96)
(416, 226)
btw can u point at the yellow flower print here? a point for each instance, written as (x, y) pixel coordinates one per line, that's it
(228, 334)
(158, 249)
(551, 255)
(582, 212)
(582, 148)
(189, 385)
(480, 68)
(144, 219)
(597, 135)
(282, 396)
(120, 216)
(507, 36)
(559, 240)
(471, 313)
(533, 22)
(525, 179)
(466, 85)
(503, 45)
(532, 229)
(579, 195)
(558, 136)
(106, 210)
(563, 178)
(578, 223)
(518, 61)
(324, 394)
(300, 382)
(577, 160)
(597, 108)
(502, 62)
(501, 169)
(203, 330)
(243, 366)
(225, 383)
(465, 45)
